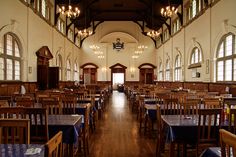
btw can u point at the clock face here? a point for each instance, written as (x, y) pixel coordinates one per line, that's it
(46, 52)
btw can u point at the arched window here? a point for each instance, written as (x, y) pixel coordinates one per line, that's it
(167, 76)
(59, 64)
(68, 70)
(177, 68)
(196, 56)
(226, 59)
(160, 72)
(76, 72)
(10, 59)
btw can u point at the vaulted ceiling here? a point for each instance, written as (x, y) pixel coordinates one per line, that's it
(146, 12)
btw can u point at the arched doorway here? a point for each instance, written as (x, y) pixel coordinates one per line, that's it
(117, 75)
(89, 73)
(146, 73)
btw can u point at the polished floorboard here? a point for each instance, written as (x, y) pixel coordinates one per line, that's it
(117, 133)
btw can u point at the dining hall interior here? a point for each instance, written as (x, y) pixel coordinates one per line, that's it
(100, 78)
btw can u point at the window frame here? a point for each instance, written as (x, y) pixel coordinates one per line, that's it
(68, 70)
(14, 41)
(167, 70)
(225, 58)
(177, 68)
(160, 72)
(76, 72)
(200, 58)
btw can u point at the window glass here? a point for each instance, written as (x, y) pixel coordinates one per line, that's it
(1, 69)
(228, 45)
(226, 59)
(9, 44)
(68, 70)
(9, 69)
(17, 70)
(17, 51)
(220, 71)
(44, 8)
(228, 70)
(221, 51)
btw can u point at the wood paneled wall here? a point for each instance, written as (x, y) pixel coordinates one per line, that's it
(9, 88)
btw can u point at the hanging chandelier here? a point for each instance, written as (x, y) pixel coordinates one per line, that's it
(69, 11)
(98, 52)
(94, 47)
(153, 33)
(135, 56)
(85, 33)
(168, 11)
(101, 56)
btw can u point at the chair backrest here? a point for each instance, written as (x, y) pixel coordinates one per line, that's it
(53, 148)
(212, 103)
(53, 105)
(190, 107)
(4, 103)
(14, 131)
(68, 103)
(209, 123)
(86, 121)
(38, 124)
(171, 106)
(227, 143)
(12, 112)
(24, 101)
(232, 120)
(159, 124)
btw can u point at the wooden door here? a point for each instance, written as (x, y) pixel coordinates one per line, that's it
(53, 77)
(42, 77)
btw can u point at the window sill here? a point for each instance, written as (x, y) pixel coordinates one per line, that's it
(196, 65)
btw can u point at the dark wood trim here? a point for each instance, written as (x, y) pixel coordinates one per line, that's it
(148, 64)
(84, 65)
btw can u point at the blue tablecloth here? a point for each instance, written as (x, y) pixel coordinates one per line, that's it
(68, 124)
(211, 152)
(18, 150)
(180, 128)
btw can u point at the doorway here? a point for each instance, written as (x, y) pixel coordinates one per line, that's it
(117, 75)
(118, 79)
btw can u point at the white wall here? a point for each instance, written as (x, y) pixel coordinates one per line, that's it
(124, 56)
(207, 31)
(34, 32)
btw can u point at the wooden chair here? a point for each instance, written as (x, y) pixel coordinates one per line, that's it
(160, 139)
(209, 123)
(212, 103)
(232, 121)
(53, 105)
(12, 112)
(4, 103)
(190, 107)
(84, 134)
(227, 143)
(68, 103)
(53, 148)
(24, 101)
(171, 106)
(38, 124)
(14, 131)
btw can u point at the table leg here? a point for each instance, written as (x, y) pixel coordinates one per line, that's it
(172, 149)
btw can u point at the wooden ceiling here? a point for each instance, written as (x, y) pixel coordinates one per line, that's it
(146, 12)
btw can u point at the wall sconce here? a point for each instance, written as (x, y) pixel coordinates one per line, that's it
(30, 69)
(132, 69)
(104, 69)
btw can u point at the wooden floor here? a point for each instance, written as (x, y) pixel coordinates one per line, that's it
(117, 134)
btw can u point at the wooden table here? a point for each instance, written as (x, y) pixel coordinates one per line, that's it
(69, 125)
(19, 150)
